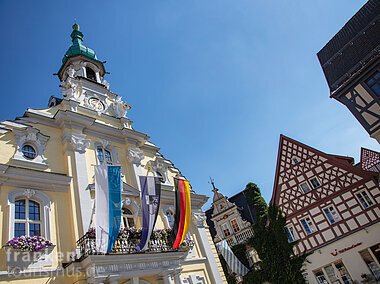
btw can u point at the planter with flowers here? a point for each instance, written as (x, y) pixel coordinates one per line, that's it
(28, 252)
(129, 238)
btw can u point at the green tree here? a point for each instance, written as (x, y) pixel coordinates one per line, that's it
(278, 263)
(255, 199)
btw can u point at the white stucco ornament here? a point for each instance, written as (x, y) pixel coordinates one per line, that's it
(159, 165)
(135, 155)
(199, 218)
(121, 108)
(70, 88)
(34, 138)
(78, 142)
(29, 192)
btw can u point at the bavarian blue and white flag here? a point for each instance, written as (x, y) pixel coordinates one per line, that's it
(107, 206)
(150, 201)
(232, 261)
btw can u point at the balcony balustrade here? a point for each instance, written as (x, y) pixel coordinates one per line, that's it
(240, 237)
(161, 241)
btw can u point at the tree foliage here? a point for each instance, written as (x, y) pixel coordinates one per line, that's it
(278, 263)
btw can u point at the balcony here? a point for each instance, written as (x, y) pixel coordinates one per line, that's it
(161, 241)
(124, 261)
(240, 237)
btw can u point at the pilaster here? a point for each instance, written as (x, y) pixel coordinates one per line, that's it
(205, 243)
(75, 147)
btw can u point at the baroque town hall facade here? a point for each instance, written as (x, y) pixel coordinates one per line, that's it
(47, 189)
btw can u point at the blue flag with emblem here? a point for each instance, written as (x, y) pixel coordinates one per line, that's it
(107, 206)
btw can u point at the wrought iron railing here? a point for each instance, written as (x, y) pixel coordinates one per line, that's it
(86, 246)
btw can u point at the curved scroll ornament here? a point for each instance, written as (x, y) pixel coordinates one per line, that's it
(159, 165)
(78, 142)
(135, 156)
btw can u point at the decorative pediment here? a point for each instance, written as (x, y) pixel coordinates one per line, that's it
(36, 141)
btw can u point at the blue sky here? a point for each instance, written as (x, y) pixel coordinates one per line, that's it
(214, 83)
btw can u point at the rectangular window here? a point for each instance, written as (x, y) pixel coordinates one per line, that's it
(343, 273)
(315, 182)
(331, 214)
(364, 199)
(374, 83)
(104, 154)
(308, 225)
(371, 263)
(321, 279)
(226, 230)
(235, 225)
(290, 233)
(305, 187)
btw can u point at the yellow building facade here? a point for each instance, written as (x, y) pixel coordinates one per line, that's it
(47, 163)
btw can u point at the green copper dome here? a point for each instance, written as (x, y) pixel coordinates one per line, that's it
(77, 47)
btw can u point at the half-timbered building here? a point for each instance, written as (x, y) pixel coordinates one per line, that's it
(332, 208)
(351, 64)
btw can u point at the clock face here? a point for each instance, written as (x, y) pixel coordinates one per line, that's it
(96, 104)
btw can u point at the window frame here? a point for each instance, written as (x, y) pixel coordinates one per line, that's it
(308, 186)
(369, 201)
(311, 227)
(27, 221)
(237, 224)
(370, 86)
(290, 231)
(104, 150)
(28, 144)
(226, 228)
(126, 216)
(334, 219)
(312, 185)
(34, 195)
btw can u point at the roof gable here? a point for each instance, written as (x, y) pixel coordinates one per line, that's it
(298, 163)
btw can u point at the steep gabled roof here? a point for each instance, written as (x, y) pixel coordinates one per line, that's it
(370, 160)
(354, 46)
(290, 149)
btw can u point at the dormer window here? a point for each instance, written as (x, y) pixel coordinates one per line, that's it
(90, 74)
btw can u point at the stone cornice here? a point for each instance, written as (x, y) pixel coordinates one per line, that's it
(197, 200)
(22, 177)
(128, 190)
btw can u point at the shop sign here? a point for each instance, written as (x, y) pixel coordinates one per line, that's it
(336, 252)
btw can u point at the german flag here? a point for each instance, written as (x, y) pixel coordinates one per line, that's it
(182, 216)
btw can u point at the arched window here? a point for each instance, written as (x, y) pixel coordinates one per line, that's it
(128, 218)
(27, 220)
(104, 155)
(170, 217)
(90, 74)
